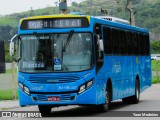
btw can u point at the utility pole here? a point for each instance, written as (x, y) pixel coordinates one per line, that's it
(63, 6)
(130, 8)
(56, 9)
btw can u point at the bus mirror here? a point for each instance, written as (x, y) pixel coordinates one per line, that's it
(100, 47)
(12, 46)
(100, 44)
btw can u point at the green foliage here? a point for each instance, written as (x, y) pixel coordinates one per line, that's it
(7, 95)
(154, 80)
(155, 47)
(147, 16)
(155, 65)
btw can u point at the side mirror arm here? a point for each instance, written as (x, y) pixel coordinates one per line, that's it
(12, 47)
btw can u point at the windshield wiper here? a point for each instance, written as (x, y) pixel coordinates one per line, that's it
(68, 40)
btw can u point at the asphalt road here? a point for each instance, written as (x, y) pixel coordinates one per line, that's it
(149, 101)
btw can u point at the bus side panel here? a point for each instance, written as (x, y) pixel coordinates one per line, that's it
(110, 68)
(120, 70)
(102, 75)
(116, 76)
(145, 72)
(127, 76)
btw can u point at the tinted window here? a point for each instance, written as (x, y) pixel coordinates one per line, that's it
(122, 42)
(107, 40)
(129, 43)
(142, 44)
(147, 45)
(135, 44)
(115, 43)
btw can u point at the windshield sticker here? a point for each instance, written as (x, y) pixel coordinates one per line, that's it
(33, 64)
(40, 37)
(57, 64)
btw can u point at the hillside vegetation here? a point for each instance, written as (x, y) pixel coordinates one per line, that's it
(147, 16)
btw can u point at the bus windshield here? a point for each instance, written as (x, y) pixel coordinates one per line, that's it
(44, 53)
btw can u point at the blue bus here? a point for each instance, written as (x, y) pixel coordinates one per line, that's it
(80, 60)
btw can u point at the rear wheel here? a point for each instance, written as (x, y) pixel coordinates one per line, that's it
(44, 109)
(135, 98)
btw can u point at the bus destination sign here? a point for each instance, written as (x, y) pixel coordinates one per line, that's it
(54, 23)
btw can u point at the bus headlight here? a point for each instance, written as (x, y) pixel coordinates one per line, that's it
(85, 86)
(82, 88)
(24, 88)
(20, 85)
(89, 84)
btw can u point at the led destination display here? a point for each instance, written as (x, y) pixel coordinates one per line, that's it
(54, 23)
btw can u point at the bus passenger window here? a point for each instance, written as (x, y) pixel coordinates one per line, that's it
(135, 44)
(129, 43)
(147, 45)
(115, 43)
(122, 42)
(142, 44)
(107, 40)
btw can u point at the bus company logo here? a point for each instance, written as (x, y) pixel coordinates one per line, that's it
(37, 88)
(6, 114)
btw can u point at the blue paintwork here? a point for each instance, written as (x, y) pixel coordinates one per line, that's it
(122, 70)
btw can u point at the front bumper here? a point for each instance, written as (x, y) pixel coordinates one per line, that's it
(66, 98)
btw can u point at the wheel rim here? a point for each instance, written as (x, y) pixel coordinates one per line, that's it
(137, 92)
(107, 99)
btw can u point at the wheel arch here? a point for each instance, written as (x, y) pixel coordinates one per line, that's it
(109, 84)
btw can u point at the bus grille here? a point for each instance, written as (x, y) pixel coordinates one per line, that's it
(53, 79)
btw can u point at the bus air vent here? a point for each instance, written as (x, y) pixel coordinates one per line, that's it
(53, 79)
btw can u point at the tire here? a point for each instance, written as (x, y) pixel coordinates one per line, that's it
(135, 98)
(104, 107)
(44, 109)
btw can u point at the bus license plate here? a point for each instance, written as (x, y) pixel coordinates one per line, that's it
(53, 98)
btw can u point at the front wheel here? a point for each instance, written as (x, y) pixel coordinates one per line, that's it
(104, 107)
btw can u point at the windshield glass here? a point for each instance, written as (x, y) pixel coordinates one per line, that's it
(45, 52)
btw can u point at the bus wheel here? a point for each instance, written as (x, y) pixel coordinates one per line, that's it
(104, 107)
(44, 109)
(135, 98)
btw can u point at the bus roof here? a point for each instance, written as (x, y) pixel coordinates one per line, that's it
(114, 19)
(118, 24)
(99, 19)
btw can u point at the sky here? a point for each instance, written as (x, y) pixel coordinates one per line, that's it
(16, 6)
